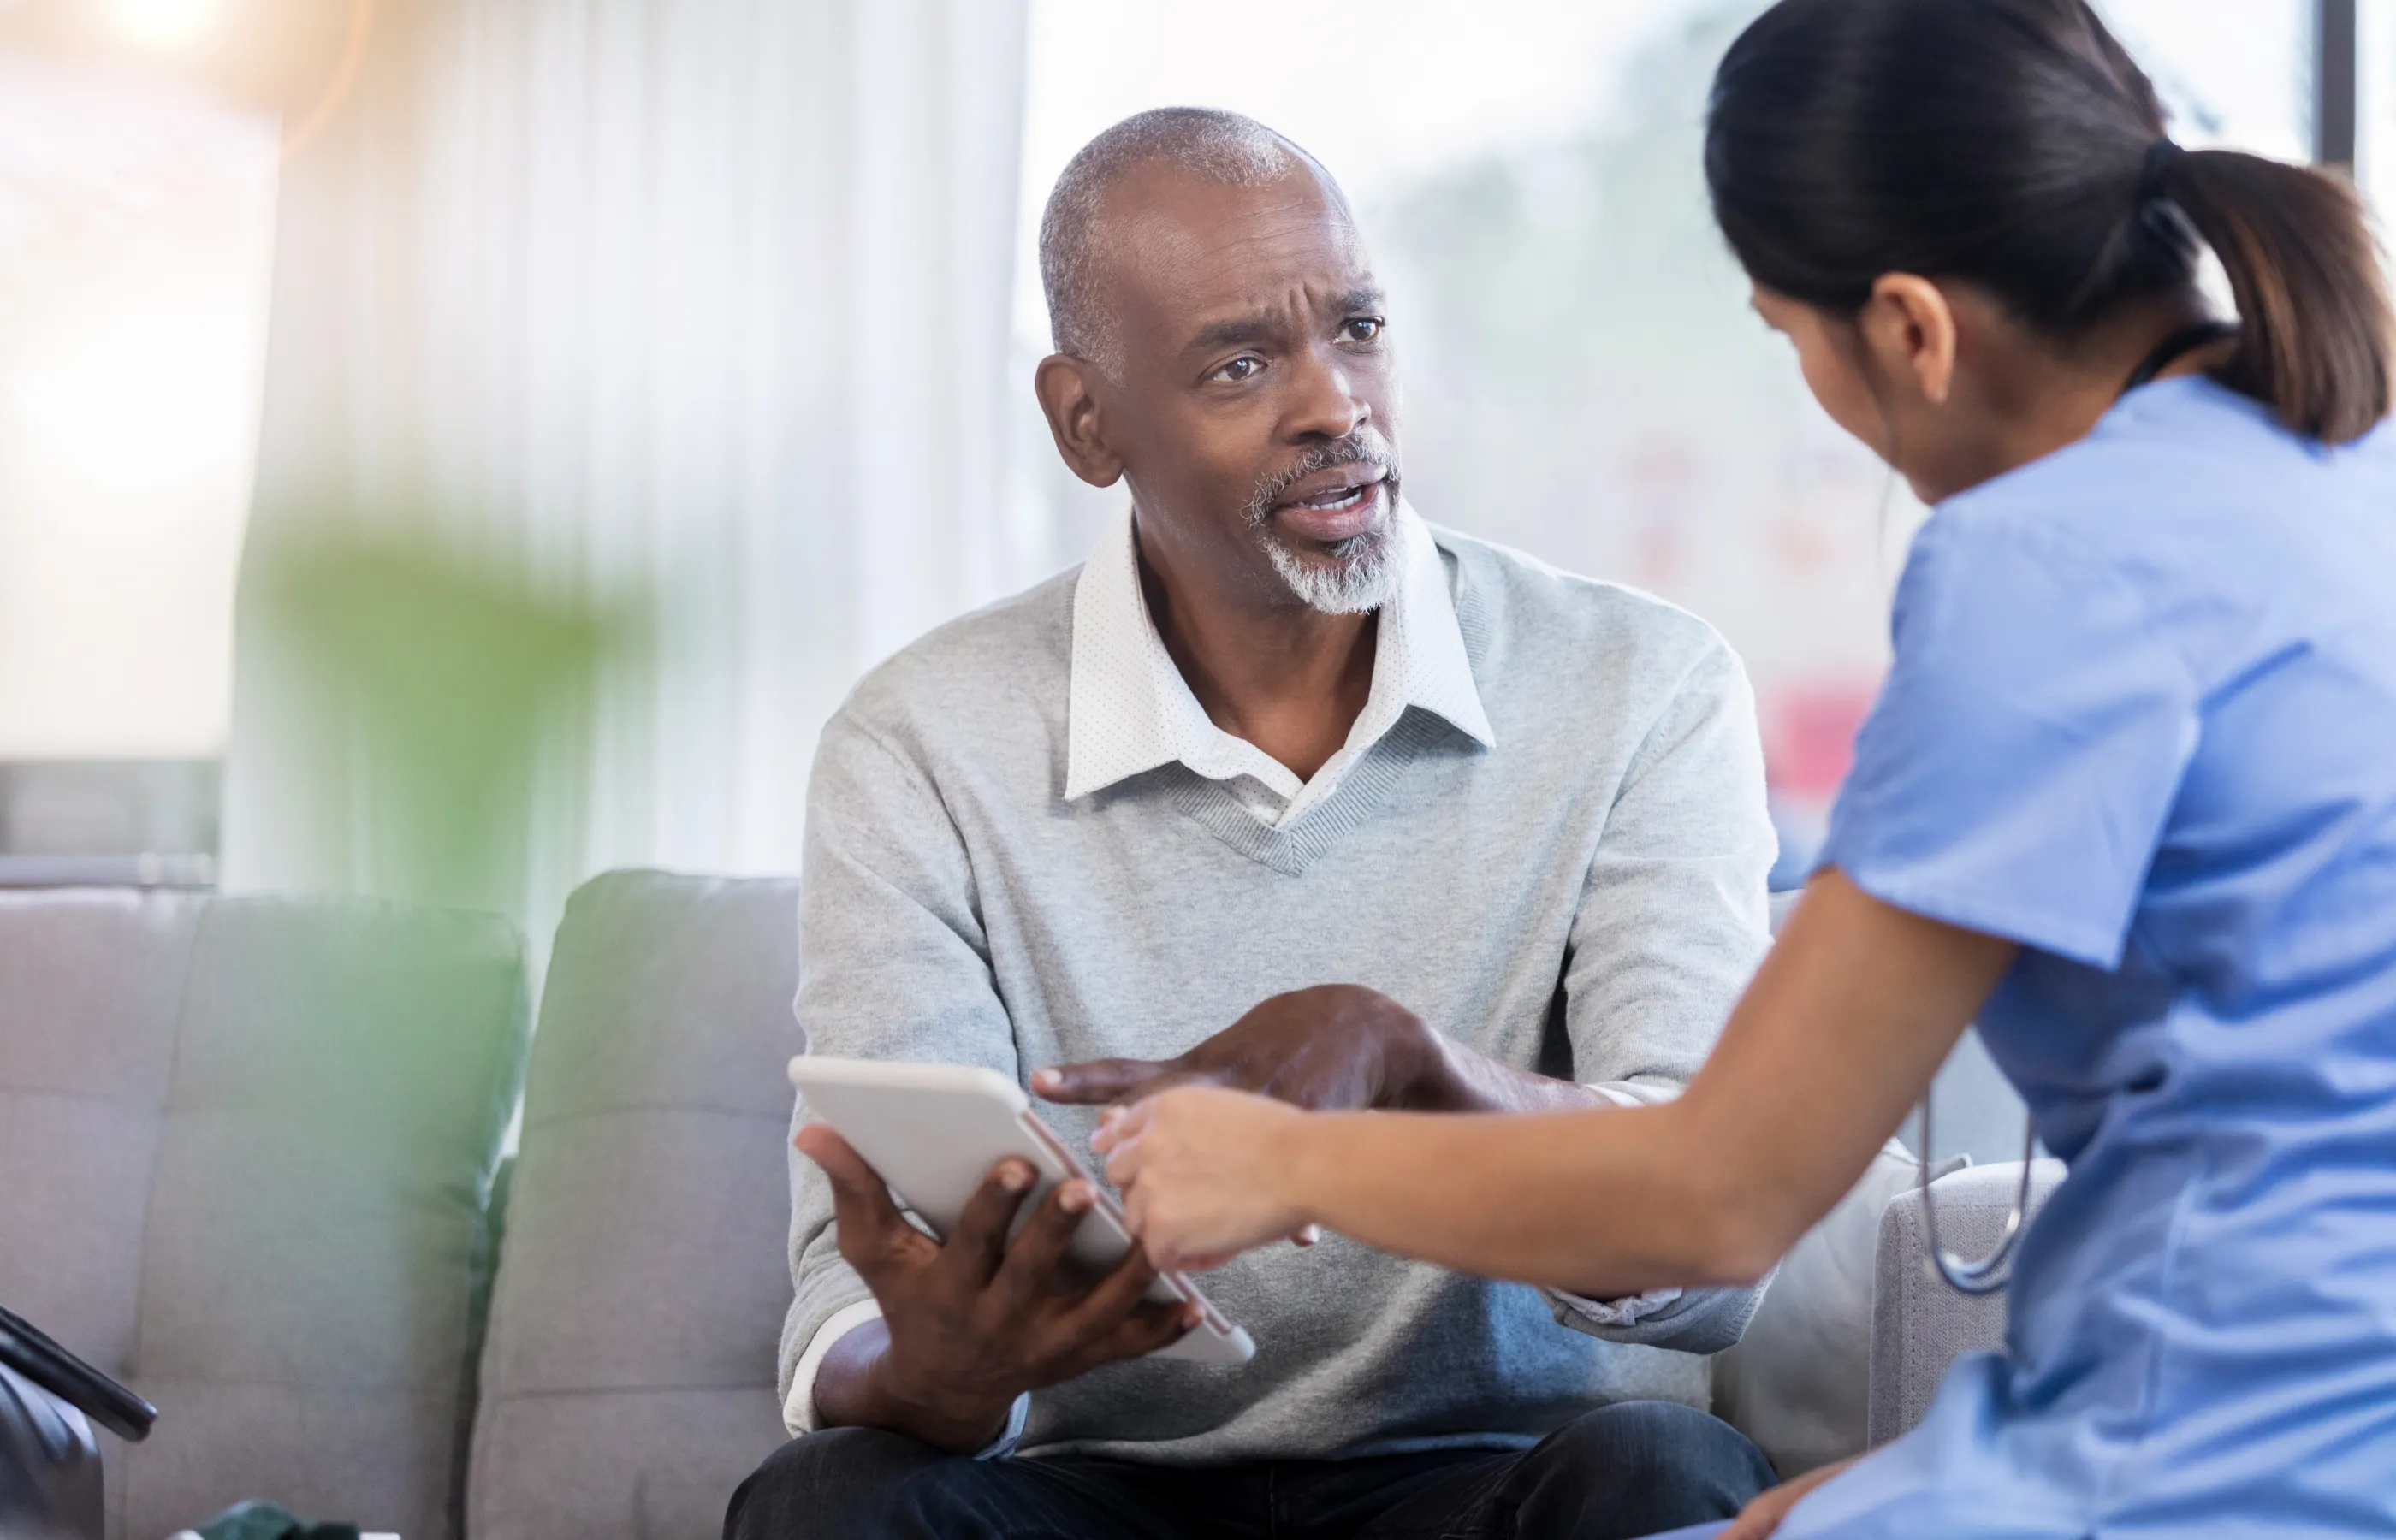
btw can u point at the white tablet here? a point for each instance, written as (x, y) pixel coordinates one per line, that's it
(934, 1131)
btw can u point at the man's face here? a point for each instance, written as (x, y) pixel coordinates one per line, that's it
(1255, 399)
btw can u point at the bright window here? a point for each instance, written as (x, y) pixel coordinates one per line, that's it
(136, 231)
(2377, 59)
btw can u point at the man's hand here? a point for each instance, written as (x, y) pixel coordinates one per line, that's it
(976, 1321)
(1333, 1048)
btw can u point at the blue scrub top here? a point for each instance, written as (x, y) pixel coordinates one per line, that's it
(2142, 720)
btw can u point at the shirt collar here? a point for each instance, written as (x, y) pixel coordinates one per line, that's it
(1129, 710)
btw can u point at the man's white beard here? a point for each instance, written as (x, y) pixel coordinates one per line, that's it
(1357, 581)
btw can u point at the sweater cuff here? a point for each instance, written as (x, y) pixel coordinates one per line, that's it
(1632, 1092)
(1612, 1314)
(1701, 1322)
(799, 1417)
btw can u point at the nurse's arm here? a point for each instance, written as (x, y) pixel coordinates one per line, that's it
(1839, 1033)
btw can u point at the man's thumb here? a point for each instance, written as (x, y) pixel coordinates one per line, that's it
(843, 1166)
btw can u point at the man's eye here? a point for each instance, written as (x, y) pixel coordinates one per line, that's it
(1364, 328)
(1242, 367)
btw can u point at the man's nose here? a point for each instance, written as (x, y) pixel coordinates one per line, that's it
(1326, 405)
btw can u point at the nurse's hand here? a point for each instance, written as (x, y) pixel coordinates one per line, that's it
(1206, 1173)
(1760, 1518)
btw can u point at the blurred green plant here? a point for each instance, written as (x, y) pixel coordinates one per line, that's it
(456, 697)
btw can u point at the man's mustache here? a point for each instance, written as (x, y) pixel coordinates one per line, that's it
(1366, 448)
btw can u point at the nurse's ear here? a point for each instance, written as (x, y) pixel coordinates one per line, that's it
(1908, 328)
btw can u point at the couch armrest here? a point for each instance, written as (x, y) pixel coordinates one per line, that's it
(1920, 1325)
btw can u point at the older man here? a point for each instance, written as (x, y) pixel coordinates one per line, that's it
(1278, 735)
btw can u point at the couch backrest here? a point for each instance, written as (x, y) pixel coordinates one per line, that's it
(1920, 1324)
(244, 1149)
(627, 1379)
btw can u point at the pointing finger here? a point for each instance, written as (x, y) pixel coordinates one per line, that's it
(1110, 1080)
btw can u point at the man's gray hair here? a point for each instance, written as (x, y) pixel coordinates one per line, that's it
(1206, 143)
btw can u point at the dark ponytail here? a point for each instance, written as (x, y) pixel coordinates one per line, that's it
(2013, 144)
(2313, 336)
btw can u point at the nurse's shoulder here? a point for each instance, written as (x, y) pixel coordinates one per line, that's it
(2229, 530)
(2169, 451)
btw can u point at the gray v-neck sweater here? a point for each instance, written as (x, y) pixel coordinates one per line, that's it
(1584, 898)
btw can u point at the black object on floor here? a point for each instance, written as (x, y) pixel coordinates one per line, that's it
(265, 1521)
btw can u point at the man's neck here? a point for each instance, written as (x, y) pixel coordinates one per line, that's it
(1287, 678)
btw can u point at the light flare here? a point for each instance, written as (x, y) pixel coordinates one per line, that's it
(166, 24)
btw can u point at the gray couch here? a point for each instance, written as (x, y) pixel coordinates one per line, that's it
(251, 1162)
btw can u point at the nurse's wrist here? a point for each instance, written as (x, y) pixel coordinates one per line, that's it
(1307, 1156)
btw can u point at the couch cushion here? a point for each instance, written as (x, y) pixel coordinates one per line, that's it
(245, 1148)
(628, 1380)
(89, 986)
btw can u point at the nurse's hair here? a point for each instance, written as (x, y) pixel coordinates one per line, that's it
(2013, 144)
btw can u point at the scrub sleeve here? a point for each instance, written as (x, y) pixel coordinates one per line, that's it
(2016, 774)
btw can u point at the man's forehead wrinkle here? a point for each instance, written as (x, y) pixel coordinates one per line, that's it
(1299, 232)
(1172, 204)
(1215, 265)
(1264, 312)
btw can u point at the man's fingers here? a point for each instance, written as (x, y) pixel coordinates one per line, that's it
(1110, 1080)
(1115, 1296)
(1035, 1256)
(978, 1245)
(1150, 1328)
(1116, 1320)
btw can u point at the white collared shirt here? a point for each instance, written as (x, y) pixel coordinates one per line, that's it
(1131, 711)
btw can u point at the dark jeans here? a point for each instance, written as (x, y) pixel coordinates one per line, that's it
(1625, 1470)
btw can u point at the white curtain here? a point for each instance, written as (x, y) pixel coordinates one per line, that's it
(682, 322)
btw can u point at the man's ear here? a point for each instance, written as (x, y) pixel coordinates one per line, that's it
(1068, 392)
(1909, 328)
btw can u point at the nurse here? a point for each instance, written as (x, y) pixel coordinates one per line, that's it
(2128, 798)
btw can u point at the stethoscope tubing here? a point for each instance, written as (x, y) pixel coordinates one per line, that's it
(1990, 1274)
